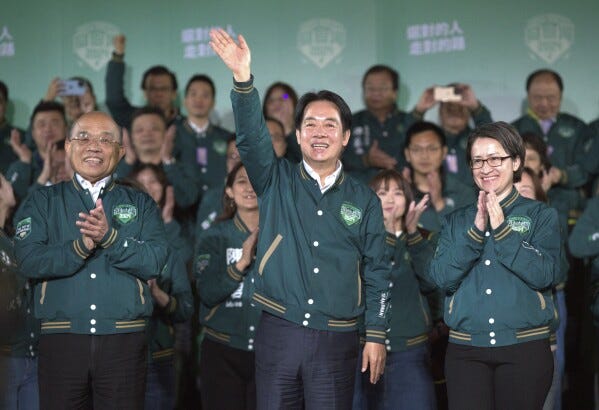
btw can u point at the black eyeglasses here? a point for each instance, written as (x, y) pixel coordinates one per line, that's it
(492, 161)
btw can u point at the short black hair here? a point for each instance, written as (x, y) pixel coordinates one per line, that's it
(4, 90)
(46, 106)
(422, 126)
(159, 70)
(381, 68)
(323, 95)
(201, 78)
(279, 84)
(508, 138)
(148, 110)
(542, 72)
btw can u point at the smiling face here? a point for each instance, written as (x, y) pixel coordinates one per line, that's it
(94, 160)
(321, 136)
(242, 193)
(497, 179)
(393, 200)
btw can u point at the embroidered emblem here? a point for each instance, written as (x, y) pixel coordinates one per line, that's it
(566, 132)
(23, 229)
(124, 213)
(520, 224)
(350, 214)
(220, 147)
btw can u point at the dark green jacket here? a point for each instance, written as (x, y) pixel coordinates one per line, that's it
(366, 129)
(19, 329)
(102, 291)
(566, 141)
(180, 175)
(498, 283)
(174, 281)
(584, 243)
(316, 252)
(226, 309)
(205, 154)
(23, 176)
(410, 319)
(456, 195)
(210, 208)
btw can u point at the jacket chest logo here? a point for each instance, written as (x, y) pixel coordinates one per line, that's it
(124, 213)
(520, 224)
(23, 229)
(350, 214)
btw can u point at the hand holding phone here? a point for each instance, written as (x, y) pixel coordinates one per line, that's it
(71, 87)
(446, 94)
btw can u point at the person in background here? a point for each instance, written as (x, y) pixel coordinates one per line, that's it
(280, 100)
(158, 83)
(454, 119)
(407, 382)
(199, 143)
(7, 154)
(75, 105)
(496, 261)
(152, 143)
(48, 127)
(19, 329)
(378, 131)
(223, 262)
(171, 292)
(425, 151)
(277, 135)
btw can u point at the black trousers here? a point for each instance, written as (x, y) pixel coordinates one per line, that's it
(226, 377)
(502, 378)
(99, 372)
(302, 368)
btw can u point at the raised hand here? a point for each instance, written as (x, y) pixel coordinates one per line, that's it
(166, 151)
(435, 189)
(235, 56)
(378, 158)
(426, 101)
(480, 220)
(468, 100)
(119, 44)
(20, 149)
(130, 155)
(494, 210)
(54, 89)
(49, 169)
(169, 204)
(414, 212)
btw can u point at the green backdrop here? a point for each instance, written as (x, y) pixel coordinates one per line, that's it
(310, 44)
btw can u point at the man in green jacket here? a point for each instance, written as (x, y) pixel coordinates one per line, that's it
(320, 254)
(90, 246)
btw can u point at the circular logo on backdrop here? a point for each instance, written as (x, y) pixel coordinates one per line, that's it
(92, 43)
(549, 36)
(321, 40)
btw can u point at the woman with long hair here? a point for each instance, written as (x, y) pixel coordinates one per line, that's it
(223, 263)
